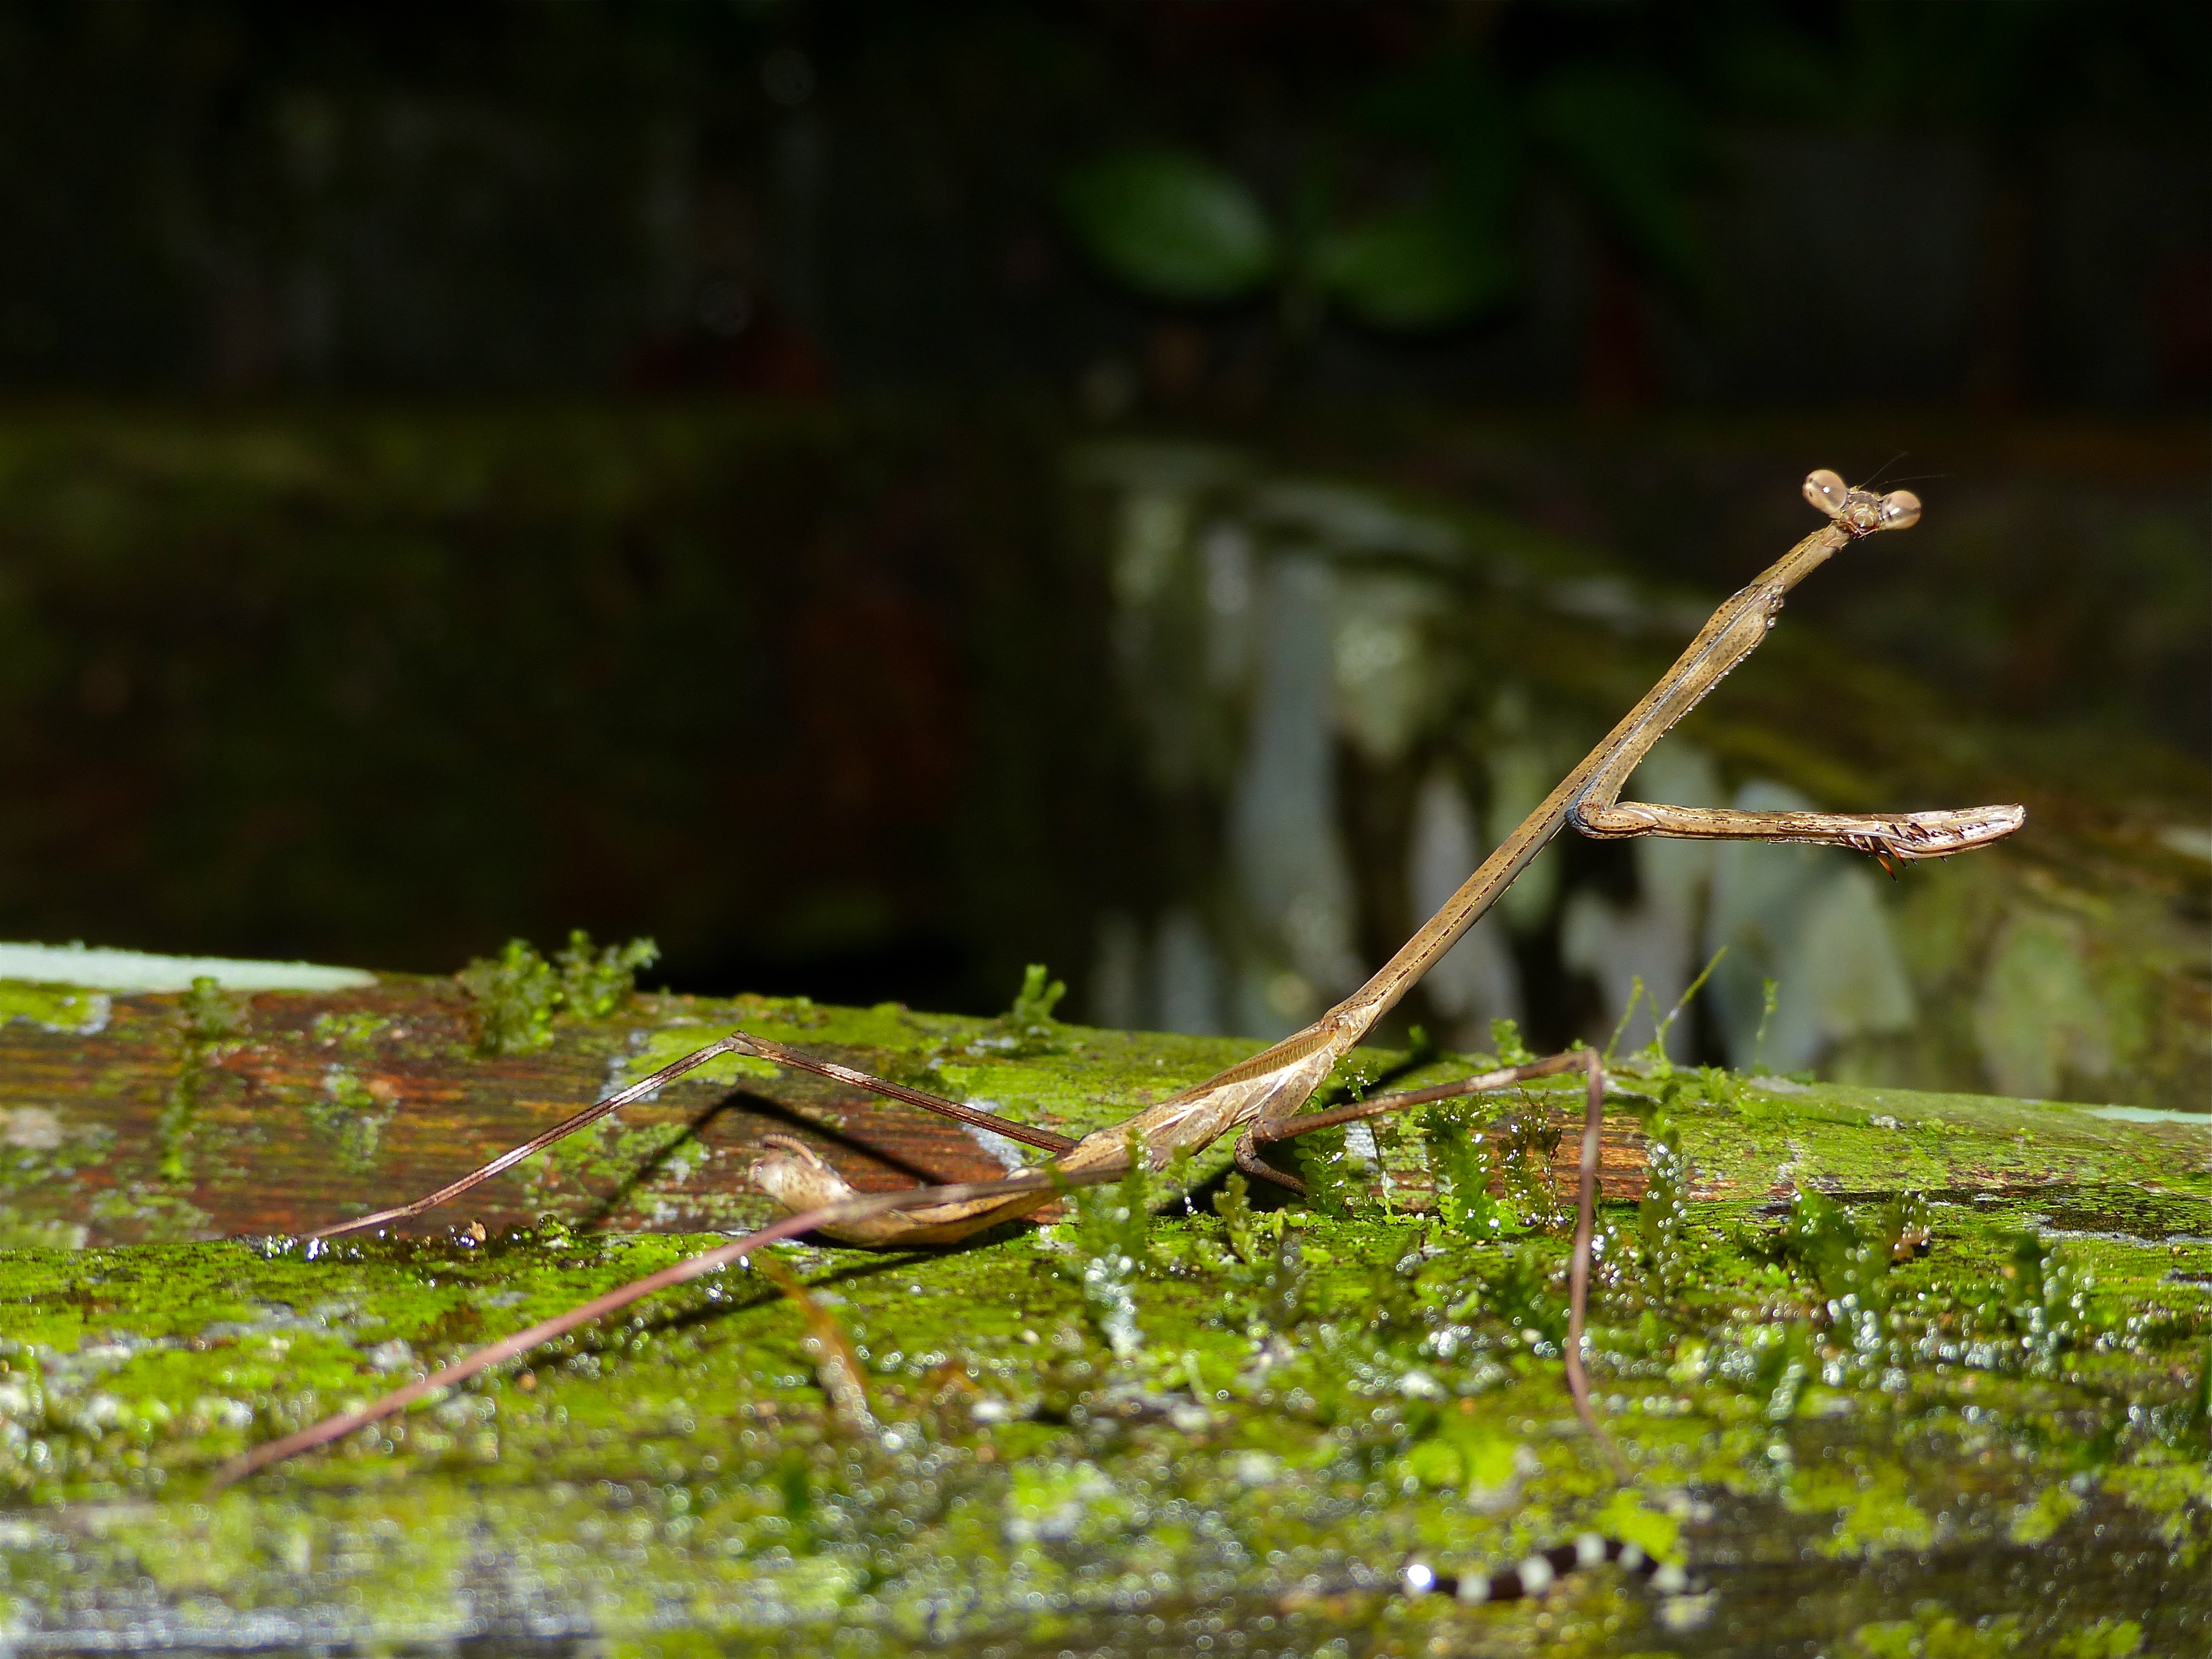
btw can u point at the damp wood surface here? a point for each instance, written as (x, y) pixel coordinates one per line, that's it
(1895, 1373)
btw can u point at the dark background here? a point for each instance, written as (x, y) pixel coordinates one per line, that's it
(475, 469)
(1994, 204)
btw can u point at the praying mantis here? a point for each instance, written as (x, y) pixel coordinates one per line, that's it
(1261, 1100)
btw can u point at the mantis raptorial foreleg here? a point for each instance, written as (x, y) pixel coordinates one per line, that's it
(1260, 1099)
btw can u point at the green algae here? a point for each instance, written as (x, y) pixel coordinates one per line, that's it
(73, 1008)
(351, 1116)
(209, 1021)
(1159, 1420)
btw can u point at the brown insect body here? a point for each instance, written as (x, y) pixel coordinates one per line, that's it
(1260, 1098)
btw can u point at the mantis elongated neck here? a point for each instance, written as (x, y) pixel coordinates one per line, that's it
(1733, 632)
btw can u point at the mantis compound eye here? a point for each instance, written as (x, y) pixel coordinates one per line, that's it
(1826, 491)
(1900, 510)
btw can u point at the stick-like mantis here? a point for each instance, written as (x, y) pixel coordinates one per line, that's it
(1261, 1098)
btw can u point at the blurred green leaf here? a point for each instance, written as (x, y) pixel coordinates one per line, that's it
(1448, 256)
(1416, 267)
(1632, 146)
(1452, 106)
(1171, 225)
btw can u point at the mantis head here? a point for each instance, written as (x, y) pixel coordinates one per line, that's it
(1861, 511)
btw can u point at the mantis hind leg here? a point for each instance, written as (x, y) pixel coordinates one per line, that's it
(734, 1043)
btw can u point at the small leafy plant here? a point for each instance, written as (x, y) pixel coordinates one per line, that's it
(1269, 1259)
(1848, 1256)
(518, 991)
(1112, 1236)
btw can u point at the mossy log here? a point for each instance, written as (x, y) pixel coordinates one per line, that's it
(1893, 1372)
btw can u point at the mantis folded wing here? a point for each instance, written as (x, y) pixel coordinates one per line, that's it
(1261, 1098)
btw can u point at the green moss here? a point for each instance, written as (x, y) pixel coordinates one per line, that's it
(355, 1034)
(1338, 1179)
(1028, 1025)
(1663, 1214)
(1932, 1634)
(1466, 1166)
(56, 1007)
(1848, 1255)
(596, 983)
(209, 1019)
(351, 1116)
(1110, 1249)
(210, 1014)
(518, 992)
(1160, 1412)
(2106, 1638)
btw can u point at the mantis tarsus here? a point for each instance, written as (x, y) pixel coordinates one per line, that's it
(1261, 1098)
